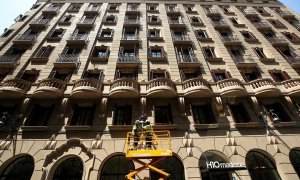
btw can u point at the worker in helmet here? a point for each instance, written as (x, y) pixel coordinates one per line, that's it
(136, 134)
(143, 118)
(148, 133)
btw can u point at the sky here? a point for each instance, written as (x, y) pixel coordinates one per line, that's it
(10, 9)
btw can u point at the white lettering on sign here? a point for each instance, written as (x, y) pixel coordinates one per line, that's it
(218, 165)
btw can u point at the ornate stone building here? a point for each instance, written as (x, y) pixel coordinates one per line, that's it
(221, 75)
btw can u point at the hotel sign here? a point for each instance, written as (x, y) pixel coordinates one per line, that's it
(222, 166)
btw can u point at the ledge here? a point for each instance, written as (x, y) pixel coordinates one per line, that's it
(120, 128)
(247, 125)
(165, 126)
(285, 124)
(77, 128)
(34, 128)
(206, 126)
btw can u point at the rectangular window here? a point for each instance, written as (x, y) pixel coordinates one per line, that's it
(250, 76)
(56, 35)
(107, 33)
(239, 113)
(39, 115)
(279, 110)
(93, 74)
(187, 74)
(203, 114)
(81, 115)
(276, 23)
(260, 52)
(279, 76)
(30, 76)
(64, 76)
(201, 34)
(7, 33)
(67, 19)
(126, 73)
(209, 52)
(291, 36)
(220, 75)
(44, 52)
(163, 114)
(123, 115)
(74, 7)
(154, 33)
(159, 74)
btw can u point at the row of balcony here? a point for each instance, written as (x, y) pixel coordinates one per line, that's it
(159, 87)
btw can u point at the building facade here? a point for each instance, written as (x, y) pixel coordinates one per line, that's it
(222, 76)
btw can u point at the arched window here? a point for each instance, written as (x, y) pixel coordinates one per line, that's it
(116, 167)
(171, 165)
(21, 167)
(71, 168)
(206, 174)
(295, 160)
(261, 167)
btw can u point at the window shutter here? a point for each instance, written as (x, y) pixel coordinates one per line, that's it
(52, 74)
(150, 75)
(285, 75)
(19, 75)
(117, 74)
(167, 75)
(101, 75)
(228, 75)
(182, 75)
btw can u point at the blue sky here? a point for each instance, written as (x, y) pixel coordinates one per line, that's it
(10, 9)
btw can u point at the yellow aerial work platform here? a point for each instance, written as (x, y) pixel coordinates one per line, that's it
(154, 146)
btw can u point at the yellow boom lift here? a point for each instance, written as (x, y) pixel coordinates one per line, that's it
(160, 149)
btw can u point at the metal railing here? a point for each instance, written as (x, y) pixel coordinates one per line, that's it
(211, 11)
(229, 38)
(92, 9)
(249, 12)
(40, 21)
(293, 59)
(181, 38)
(67, 58)
(86, 21)
(219, 23)
(128, 59)
(51, 9)
(26, 37)
(177, 21)
(276, 40)
(6, 59)
(76, 37)
(261, 24)
(187, 58)
(132, 21)
(242, 59)
(130, 37)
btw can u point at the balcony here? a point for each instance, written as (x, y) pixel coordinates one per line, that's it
(179, 23)
(263, 87)
(212, 12)
(100, 57)
(220, 24)
(186, 60)
(110, 20)
(9, 61)
(286, 14)
(105, 37)
(249, 13)
(182, 40)
(78, 39)
(262, 25)
(132, 10)
(196, 21)
(294, 61)
(87, 88)
(154, 57)
(244, 61)
(128, 61)
(277, 41)
(132, 23)
(155, 37)
(39, 23)
(25, 40)
(291, 87)
(173, 11)
(161, 88)
(230, 87)
(230, 40)
(124, 88)
(196, 87)
(67, 61)
(87, 23)
(50, 88)
(14, 88)
(92, 10)
(130, 39)
(51, 11)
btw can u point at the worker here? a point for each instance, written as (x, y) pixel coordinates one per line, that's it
(148, 133)
(143, 118)
(136, 130)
